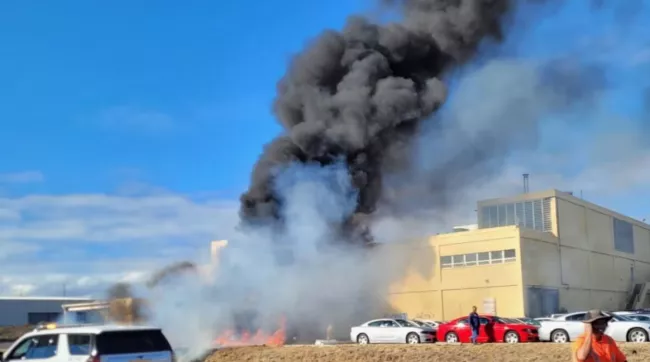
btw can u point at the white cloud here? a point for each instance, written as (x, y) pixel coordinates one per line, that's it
(21, 177)
(10, 249)
(52, 240)
(107, 218)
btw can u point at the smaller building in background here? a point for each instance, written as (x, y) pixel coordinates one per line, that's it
(20, 311)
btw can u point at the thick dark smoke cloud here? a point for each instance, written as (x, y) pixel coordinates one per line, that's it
(360, 95)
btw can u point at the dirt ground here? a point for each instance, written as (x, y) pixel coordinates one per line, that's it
(408, 353)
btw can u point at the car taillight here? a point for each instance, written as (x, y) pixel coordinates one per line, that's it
(93, 359)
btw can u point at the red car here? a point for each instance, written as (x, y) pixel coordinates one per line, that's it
(493, 329)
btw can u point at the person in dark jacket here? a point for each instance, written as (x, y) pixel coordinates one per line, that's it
(475, 324)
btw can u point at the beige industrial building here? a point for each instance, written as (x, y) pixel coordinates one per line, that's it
(533, 254)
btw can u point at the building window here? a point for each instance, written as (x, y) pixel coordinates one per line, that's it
(496, 257)
(623, 236)
(445, 262)
(458, 260)
(470, 259)
(483, 258)
(533, 214)
(509, 255)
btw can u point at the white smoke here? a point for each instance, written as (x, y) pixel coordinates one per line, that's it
(302, 271)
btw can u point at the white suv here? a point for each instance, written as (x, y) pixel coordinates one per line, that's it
(91, 343)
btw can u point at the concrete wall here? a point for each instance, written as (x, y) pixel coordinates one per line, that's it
(430, 291)
(582, 263)
(15, 311)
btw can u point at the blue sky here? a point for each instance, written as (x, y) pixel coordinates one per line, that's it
(129, 128)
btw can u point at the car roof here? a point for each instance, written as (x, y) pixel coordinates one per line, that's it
(89, 329)
(380, 319)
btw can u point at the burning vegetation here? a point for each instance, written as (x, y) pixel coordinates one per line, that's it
(243, 337)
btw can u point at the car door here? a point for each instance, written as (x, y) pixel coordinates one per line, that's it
(494, 330)
(78, 346)
(574, 325)
(617, 330)
(393, 331)
(373, 330)
(35, 348)
(463, 330)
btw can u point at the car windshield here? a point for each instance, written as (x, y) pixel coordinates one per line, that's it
(620, 318)
(511, 321)
(419, 324)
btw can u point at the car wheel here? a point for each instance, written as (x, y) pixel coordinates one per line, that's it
(412, 338)
(637, 335)
(451, 337)
(511, 337)
(363, 339)
(560, 336)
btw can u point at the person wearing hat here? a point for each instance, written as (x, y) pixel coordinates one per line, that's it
(594, 345)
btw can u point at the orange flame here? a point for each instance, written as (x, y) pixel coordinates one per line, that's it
(277, 339)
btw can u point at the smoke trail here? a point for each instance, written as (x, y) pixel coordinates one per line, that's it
(169, 271)
(360, 95)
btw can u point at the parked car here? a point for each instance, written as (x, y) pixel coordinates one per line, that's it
(568, 327)
(91, 344)
(389, 330)
(638, 317)
(493, 329)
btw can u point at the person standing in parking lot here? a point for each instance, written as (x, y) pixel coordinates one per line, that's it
(475, 324)
(594, 345)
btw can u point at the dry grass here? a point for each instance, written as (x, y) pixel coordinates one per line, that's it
(406, 353)
(12, 333)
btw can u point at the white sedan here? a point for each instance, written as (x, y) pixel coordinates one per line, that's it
(389, 330)
(569, 326)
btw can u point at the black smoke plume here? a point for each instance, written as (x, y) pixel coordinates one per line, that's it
(360, 95)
